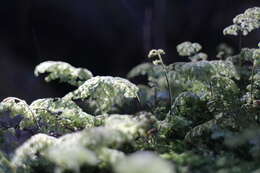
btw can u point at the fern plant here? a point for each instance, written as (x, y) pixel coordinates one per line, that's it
(212, 123)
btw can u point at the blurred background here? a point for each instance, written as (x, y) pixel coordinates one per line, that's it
(106, 37)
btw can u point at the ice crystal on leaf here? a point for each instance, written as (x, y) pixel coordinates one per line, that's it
(63, 72)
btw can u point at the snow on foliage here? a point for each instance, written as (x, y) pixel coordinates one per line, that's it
(60, 115)
(143, 162)
(63, 72)
(244, 23)
(104, 91)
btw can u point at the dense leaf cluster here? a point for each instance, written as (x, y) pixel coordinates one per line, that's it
(190, 117)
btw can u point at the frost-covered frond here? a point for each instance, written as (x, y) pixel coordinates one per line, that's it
(114, 130)
(127, 124)
(225, 68)
(188, 49)
(71, 157)
(200, 131)
(221, 126)
(198, 70)
(109, 156)
(141, 69)
(247, 54)
(195, 76)
(60, 115)
(242, 62)
(104, 91)
(190, 106)
(31, 150)
(199, 57)
(203, 70)
(89, 147)
(99, 137)
(15, 107)
(253, 94)
(232, 30)
(96, 138)
(143, 162)
(110, 85)
(245, 22)
(256, 57)
(93, 146)
(64, 72)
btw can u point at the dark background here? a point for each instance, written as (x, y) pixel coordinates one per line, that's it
(108, 37)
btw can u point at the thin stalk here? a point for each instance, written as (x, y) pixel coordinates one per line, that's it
(240, 41)
(252, 84)
(240, 48)
(167, 80)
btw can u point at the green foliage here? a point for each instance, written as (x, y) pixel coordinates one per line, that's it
(16, 106)
(191, 107)
(104, 92)
(63, 72)
(5, 166)
(244, 23)
(60, 116)
(143, 162)
(187, 48)
(142, 69)
(194, 117)
(90, 147)
(31, 151)
(191, 50)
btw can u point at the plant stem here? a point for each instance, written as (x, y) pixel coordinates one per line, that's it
(240, 41)
(252, 84)
(167, 80)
